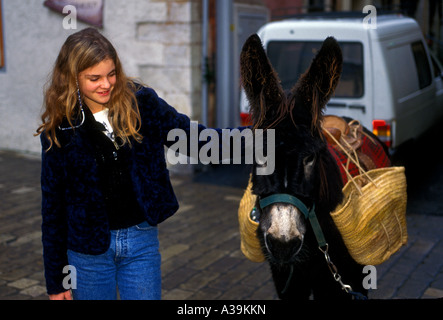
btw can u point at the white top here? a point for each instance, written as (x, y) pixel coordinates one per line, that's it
(102, 117)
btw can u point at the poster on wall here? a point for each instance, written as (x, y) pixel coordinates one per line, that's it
(89, 11)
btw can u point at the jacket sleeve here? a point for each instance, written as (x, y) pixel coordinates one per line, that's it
(168, 118)
(54, 222)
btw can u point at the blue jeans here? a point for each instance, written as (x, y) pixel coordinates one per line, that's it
(132, 263)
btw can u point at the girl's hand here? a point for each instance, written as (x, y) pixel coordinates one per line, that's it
(61, 296)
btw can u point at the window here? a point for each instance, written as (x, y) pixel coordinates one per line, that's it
(422, 64)
(400, 65)
(291, 59)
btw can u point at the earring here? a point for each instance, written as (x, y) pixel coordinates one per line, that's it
(81, 109)
(78, 95)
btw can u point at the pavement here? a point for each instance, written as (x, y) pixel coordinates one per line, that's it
(200, 245)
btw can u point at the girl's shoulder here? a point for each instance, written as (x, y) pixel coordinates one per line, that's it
(149, 103)
(146, 97)
(143, 93)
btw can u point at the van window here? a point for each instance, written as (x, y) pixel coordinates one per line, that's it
(422, 64)
(400, 64)
(291, 59)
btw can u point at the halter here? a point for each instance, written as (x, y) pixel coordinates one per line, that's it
(309, 214)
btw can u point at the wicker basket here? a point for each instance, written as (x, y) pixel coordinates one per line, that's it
(372, 216)
(249, 244)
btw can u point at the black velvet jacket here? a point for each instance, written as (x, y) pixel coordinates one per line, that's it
(73, 202)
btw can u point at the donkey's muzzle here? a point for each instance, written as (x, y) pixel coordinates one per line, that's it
(283, 252)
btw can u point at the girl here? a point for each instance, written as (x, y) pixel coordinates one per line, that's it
(105, 186)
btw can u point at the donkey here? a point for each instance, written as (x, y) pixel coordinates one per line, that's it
(305, 170)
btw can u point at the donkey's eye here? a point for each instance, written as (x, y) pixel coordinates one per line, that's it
(308, 163)
(309, 160)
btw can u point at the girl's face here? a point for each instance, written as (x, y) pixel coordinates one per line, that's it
(96, 84)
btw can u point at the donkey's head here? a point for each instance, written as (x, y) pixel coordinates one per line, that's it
(305, 175)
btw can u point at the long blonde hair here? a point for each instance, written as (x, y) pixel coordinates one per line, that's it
(81, 51)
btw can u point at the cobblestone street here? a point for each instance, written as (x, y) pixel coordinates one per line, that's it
(200, 245)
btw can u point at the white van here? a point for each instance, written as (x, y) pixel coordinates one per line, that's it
(390, 81)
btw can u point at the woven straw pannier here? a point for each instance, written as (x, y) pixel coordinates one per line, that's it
(372, 216)
(249, 243)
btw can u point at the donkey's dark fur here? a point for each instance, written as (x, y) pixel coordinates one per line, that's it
(304, 168)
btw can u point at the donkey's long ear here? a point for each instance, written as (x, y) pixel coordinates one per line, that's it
(316, 86)
(261, 84)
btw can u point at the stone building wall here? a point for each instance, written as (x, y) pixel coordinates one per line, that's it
(158, 43)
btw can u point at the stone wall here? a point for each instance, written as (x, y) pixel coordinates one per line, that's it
(158, 42)
(177, 74)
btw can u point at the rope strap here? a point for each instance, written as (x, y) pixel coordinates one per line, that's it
(316, 228)
(285, 198)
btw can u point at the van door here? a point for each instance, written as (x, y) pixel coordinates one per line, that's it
(414, 90)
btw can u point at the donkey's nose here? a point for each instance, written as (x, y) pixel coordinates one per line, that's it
(283, 251)
(287, 222)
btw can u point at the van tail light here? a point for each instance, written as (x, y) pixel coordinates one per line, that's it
(245, 119)
(382, 129)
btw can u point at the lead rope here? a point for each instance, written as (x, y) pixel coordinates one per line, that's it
(323, 244)
(337, 277)
(291, 272)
